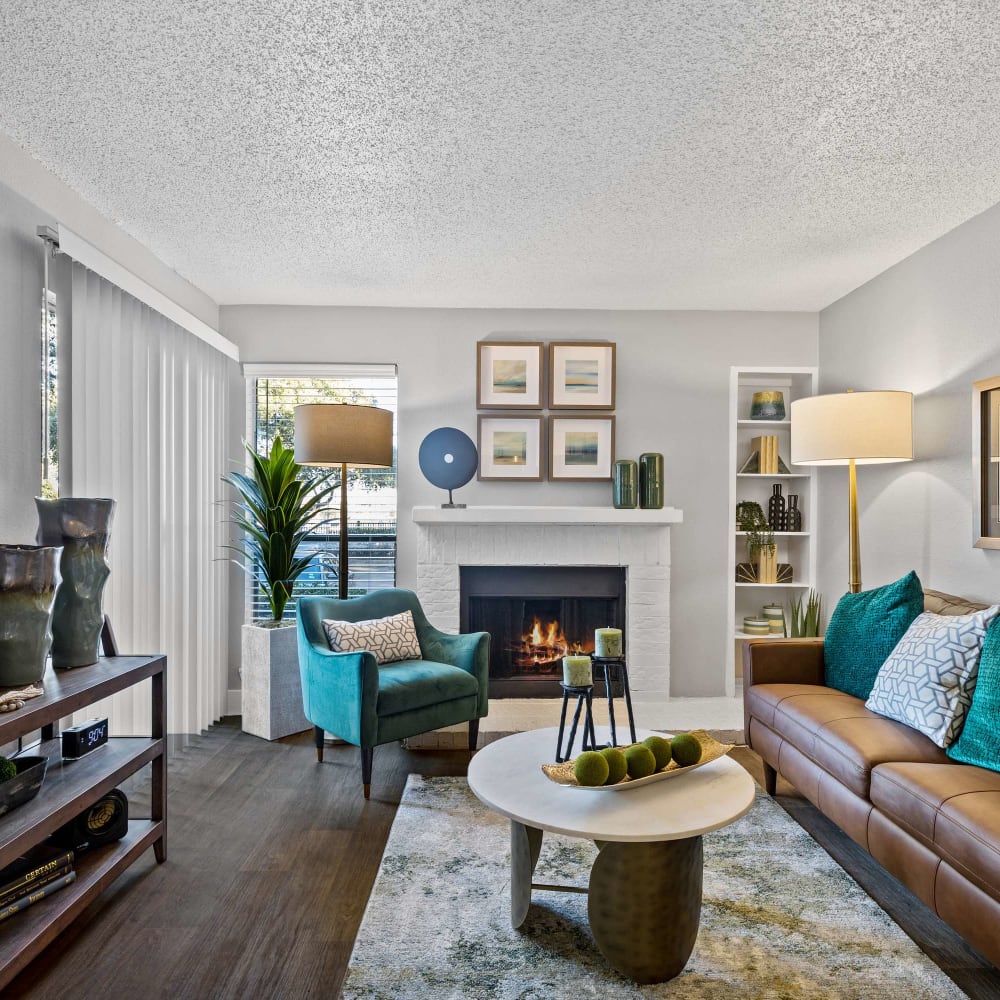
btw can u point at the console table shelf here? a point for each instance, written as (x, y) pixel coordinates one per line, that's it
(72, 786)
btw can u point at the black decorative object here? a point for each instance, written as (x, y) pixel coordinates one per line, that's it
(448, 459)
(776, 509)
(23, 787)
(82, 739)
(615, 671)
(746, 572)
(651, 480)
(793, 513)
(102, 823)
(29, 576)
(81, 525)
(584, 698)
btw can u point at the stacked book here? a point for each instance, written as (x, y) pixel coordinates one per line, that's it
(766, 447)
(40, 872)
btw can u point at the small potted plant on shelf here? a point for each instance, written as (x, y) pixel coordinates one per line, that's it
(804, 621)
(277, 507)
(761, 547)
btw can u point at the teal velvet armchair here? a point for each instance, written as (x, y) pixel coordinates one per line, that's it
(351, 696)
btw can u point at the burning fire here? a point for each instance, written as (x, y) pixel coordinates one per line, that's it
(544, 644)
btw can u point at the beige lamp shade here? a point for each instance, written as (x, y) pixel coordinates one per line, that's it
(868, 427)
(343, 434)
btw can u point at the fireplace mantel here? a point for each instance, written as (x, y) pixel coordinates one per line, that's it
(545, 515)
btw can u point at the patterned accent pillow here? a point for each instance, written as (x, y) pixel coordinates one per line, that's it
(928, 679)
(864, 629)
(388, 639)
(979, 741)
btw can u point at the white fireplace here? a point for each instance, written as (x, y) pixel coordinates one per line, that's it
(636, 540)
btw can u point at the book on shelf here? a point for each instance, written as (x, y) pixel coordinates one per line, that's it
(31, 867)
(36, 895)
(763, 455)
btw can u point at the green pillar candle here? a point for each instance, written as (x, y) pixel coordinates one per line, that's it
(577, 671)
(608, 642)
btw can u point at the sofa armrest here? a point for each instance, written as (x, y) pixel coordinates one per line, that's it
(779, 661)
(469, 652)
(339, 691)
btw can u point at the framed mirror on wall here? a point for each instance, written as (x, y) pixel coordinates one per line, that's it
(986, 463)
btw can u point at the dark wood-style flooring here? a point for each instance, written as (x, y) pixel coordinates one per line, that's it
(271, 861)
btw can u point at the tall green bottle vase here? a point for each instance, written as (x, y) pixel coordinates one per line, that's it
(81, 525)
(29, 579)
(651, 480)
(625, 484)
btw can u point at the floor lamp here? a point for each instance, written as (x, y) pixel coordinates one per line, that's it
(853, 428)
(347, 435)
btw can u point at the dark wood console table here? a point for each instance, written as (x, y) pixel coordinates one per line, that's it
(71, 786)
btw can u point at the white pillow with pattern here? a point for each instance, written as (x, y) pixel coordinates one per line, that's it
(389, 639)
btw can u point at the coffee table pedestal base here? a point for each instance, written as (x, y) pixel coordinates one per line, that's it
(644, 900)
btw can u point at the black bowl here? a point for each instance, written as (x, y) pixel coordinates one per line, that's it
(23, 787)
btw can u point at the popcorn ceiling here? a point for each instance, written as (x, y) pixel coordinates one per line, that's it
(721, 154)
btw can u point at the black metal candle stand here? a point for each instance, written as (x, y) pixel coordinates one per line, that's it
(615, 671)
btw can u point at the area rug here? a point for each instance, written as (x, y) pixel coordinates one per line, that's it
(781, 920)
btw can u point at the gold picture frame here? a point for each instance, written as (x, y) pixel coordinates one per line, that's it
(509, 375)
(581, 448)
(510, 448)
(582, 375)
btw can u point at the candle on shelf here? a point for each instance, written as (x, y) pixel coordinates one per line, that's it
(608, 642)
(577, 671)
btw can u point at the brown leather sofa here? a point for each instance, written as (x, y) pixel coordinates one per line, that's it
(932, 822)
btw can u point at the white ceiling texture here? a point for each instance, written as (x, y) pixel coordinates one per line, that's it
(637, 154)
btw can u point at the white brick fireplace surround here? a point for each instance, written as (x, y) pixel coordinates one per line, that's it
(638, 540)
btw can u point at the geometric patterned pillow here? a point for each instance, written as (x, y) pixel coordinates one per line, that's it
(928, 679)
(389, 639)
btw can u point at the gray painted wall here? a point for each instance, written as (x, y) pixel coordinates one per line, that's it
(673, 384)
(930, 324)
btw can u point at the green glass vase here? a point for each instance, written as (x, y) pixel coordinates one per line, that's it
(651, 480)
(625, 484)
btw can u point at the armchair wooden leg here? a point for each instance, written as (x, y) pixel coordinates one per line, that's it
(770, 779)
(318, 738)
(367, 753)
(473, 734)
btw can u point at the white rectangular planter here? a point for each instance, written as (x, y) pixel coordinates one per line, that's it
(272, 688)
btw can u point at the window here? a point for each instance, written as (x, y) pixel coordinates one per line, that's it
(274, 392)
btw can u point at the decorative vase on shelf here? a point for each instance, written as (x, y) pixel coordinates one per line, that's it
(768, 405)
(81, 525)
(29, 578)
(651, 480)
(776, 509)
(625, 485)
(793, 514)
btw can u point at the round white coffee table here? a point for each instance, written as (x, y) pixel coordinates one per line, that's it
(644, 896)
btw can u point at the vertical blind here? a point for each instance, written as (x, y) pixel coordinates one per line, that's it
(149, 415)
(274, 392)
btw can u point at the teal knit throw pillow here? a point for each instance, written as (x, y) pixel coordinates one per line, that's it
(864, 629)
(979, 741)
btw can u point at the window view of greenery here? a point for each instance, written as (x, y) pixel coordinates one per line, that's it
(50, 398)
(371, 493)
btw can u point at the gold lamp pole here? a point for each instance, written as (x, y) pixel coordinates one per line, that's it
(853, 428)
(348, 435)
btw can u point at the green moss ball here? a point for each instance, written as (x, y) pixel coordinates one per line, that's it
(661, 750)
(8, 769)
(617, 764)
(640, 760)
(590, 769)
(686, 749)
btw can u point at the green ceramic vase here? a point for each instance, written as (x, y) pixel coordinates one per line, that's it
(81, 525)
(625, 483)
(29, 578)
(651, 480)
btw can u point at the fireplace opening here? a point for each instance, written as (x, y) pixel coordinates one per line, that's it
(536, 615)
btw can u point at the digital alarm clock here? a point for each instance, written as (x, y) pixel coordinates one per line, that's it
(81, 739)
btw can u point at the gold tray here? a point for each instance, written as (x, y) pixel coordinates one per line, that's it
(562, 774)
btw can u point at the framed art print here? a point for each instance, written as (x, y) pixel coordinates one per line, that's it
(581, 448)
(510, 448)
(986, 463)
(581, 376)
(509, 375)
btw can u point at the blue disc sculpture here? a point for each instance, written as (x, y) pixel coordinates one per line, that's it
(448, 459)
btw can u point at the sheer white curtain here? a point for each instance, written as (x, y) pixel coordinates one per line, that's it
(149, 418)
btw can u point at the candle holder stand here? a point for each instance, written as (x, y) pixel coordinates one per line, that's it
(584, 699)
(615, 670)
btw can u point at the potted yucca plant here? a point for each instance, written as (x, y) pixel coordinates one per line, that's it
(276, 509)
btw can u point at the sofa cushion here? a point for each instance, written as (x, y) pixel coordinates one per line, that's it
(387, 639)
(979, 741)
(864, 629)
(928, 679)
(413, 684)
(952, 808)
(837, 732)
